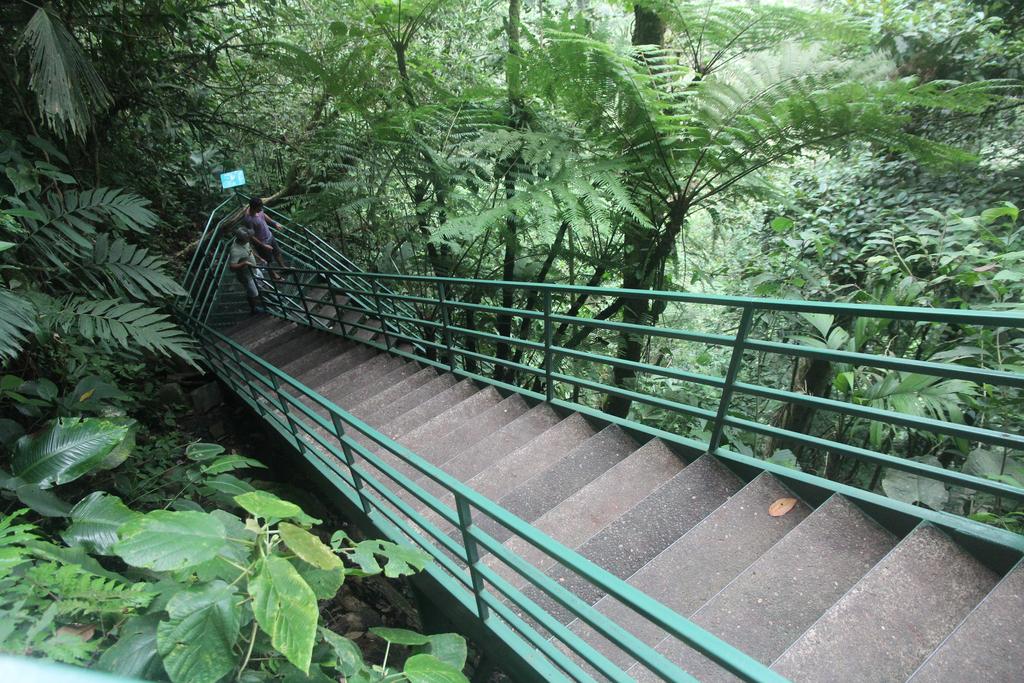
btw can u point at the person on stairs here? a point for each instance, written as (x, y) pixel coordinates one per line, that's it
(259, 224)
(241, 262)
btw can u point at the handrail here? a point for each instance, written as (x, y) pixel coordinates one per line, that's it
(549, 356)
(266, 387)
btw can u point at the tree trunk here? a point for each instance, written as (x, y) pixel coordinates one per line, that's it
(503, 324)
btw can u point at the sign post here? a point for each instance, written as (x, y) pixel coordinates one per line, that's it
(232, 179)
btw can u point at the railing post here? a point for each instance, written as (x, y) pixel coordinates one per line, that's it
(444, 324)
(302, 299)
(549, 390)
(286, 409)
(248, 384)
(380, 314)
(472, 555)
(350, 461)
(730, 377)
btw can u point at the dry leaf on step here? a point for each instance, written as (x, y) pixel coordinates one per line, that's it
(781, 506)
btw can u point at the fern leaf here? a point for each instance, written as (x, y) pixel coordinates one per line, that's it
(126, 324)
(132, 270)
(17, 320)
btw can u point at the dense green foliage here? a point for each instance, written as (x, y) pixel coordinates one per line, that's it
(835, 150)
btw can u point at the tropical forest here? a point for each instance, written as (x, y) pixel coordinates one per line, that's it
(511, 340)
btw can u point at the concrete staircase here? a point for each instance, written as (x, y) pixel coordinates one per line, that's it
(821, 593)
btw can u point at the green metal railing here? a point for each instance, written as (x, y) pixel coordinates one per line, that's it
(444, 323)
(436, 297)
(325, 433)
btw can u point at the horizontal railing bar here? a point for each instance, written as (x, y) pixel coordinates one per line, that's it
(670, 332)
(923, 367)
(981, 434)
(706, 380)
(912, 466)
(692, 411)
(941, 315)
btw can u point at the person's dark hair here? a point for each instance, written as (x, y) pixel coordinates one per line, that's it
(255, 205)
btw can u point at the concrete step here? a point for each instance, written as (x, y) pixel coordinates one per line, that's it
(534, 456)
(429, 408)
(352, 316)
(368, 373)
(336, 366)
(475, 458)
(650, 526)
(366, 335)
(369, 409)
(550, 486)
(988, 645)
(402, 371)
(482, 427)
(596, 505)
(379, 413)
(788, 588)
(326, 350)
(894, 617)
(430, 432)
(475, 404)
(294, 344)
(252, 325)
(709, 555)
(275, 337)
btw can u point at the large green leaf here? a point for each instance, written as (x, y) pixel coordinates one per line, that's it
(450, 648)
(134, 654)
(268, 506)
(400, 636)
(308, 547)
(42, 501)
(349, 656)
(65, 450)
(430, 669)
(324, 582)
(168, 541)
(912, 488)
(286, 609)
(199, 636)
(95, 521)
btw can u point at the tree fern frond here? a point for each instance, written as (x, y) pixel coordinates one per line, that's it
(77, 591)
(64, 81)
(133, 270)
(128, 325)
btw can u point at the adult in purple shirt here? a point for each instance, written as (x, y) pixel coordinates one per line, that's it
(259, 225)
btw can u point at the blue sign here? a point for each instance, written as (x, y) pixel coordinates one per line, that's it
(232, 179)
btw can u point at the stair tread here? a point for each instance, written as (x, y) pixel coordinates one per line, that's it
(410, 401)
(326, 349)
(375, 405)
(366, 373)
(989, 643)
(647, 528)
(787, 588)
(335, 366)
(596, 505)
(710, 555)
(474, 459)
(471, 432)
(886, 625)
(270, 336)
(401, 370)
(537, 454)
(410, 420)
(290, 346)
(431, 431)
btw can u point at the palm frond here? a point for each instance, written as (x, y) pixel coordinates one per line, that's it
(64, 81)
